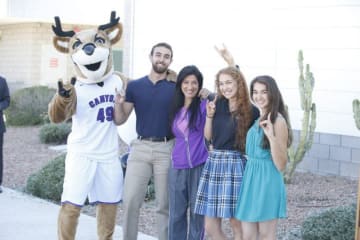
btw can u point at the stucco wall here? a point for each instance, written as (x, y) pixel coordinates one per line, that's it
(26, 52)
(19, 50)
(264, 37)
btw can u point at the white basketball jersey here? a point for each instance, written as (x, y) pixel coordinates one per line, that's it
(94, 133)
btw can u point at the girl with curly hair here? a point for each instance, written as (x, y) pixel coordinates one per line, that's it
(228, 118)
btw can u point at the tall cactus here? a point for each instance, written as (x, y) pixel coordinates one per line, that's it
(306, 86)
(356, 109)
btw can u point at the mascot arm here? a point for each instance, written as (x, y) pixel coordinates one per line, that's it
(63, 104)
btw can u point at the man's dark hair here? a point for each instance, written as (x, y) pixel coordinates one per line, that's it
(162, 44)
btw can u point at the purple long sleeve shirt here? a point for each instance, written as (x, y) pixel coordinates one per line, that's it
(190, 149)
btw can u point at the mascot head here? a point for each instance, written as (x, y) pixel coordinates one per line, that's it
(90, 50)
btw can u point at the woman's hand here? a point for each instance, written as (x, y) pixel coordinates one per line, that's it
(277, 134)
(268, 127)
(210, 112)
(211, 108)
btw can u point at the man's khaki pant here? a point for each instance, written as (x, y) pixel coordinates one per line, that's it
(146, 158)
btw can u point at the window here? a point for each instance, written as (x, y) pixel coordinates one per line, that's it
(118, 60)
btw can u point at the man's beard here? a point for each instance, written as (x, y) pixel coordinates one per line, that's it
(160, 69)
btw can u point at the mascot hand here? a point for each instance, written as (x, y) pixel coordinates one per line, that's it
(66, 90)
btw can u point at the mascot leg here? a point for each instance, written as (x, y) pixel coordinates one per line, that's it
(106, 218)
(67, 221)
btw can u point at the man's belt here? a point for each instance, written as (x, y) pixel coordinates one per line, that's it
(154, 139)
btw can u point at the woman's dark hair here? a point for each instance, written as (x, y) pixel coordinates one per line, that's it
(276, 105)
(179, 98)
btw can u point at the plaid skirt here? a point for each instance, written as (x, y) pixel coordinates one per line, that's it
(220, 184)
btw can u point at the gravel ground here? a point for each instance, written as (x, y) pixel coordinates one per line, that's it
(24, 155)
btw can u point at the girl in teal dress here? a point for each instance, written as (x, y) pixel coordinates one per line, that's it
(262, 199)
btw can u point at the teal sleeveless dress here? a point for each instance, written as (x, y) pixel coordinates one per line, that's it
(262, 195)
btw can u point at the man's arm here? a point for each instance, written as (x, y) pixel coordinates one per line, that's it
(122, 109)
(226, 55)
(5, 95)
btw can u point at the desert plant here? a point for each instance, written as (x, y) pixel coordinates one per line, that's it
(48, 182)
(306, 86)
(335, 224)
(356, 109)
(45, 117)
(150, 191)
(55, 133)
(28, 105)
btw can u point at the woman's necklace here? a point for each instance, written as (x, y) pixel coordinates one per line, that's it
(232, 107)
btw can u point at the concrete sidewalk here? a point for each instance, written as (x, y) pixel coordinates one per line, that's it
(23, 217)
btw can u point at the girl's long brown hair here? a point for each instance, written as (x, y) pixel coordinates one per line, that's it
(276, 105)
(243, 113)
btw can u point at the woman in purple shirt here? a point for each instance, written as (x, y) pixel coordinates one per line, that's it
(188, 115)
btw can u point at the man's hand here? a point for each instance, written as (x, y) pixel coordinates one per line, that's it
(171, 75)
(119, 96)
(204, 93)
(226, 55)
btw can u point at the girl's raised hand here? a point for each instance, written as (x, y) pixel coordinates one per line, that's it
(267, 126)
(211, 108)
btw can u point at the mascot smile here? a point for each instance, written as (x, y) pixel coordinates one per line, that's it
(90, 50)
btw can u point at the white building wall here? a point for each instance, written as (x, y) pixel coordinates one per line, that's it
(26, 37)
(29, 58)
(264, 37)
(70, 11)
(3, 8)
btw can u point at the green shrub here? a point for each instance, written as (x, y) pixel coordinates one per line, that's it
(55, 133)
(45, 117)
(28, 105)
(150, 191)
(48, 182)
(332, 224)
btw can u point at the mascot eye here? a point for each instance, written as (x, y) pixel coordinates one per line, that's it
(99, 40)
(76, 44)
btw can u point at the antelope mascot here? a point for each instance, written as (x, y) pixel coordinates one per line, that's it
(92, 167)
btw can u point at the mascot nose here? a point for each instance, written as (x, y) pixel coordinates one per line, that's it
(89, 48)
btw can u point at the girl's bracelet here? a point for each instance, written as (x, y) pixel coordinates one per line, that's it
(209, 116)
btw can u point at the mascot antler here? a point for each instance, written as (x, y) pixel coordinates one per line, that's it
(58, 30)
(113, 22)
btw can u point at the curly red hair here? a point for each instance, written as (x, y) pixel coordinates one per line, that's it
(243, 113)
